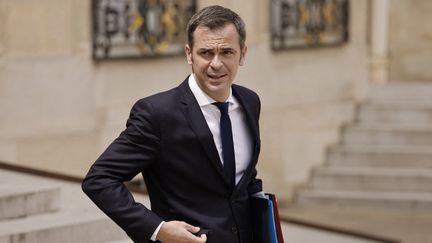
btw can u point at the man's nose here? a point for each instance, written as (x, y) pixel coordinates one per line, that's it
(216, 62)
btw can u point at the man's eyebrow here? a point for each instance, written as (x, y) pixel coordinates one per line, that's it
(228, 49)
(205, 49)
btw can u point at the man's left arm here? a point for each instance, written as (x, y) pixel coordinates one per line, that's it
(255, 185)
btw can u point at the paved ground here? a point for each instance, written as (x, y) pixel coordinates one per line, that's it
(73, 199)
(405, 226)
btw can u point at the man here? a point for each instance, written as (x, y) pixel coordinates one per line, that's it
(197, 158)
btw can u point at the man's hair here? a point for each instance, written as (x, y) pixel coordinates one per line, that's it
(214, 17)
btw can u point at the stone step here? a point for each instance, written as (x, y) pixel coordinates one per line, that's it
(372, 178)
(66, 227)
(24, 200)
(396, 112)
(406, 91)
(368, 199)
(388, 134)
(381, 156)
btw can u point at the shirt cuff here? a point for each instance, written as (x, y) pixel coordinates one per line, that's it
(153, 237)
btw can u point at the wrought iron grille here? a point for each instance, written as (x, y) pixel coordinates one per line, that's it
(140, 28)
(308, 23)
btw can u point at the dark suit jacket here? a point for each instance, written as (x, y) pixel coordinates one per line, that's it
(167, 140)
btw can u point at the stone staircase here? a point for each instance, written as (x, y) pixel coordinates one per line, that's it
(384, 159)
(41, 210)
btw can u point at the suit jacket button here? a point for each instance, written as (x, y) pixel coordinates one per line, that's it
(234, 230)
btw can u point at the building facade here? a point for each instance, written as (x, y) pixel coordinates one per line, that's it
(60, 108)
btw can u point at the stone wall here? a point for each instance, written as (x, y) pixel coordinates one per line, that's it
(59, 109)
(410, 40)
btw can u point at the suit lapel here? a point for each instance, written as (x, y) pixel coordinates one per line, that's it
(252, 124)
(196, 119)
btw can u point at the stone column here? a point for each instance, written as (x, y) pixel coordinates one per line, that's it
(379, 41)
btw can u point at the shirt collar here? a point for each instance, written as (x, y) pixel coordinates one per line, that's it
(202, 98)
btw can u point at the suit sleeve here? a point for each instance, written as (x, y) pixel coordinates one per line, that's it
(132, 152)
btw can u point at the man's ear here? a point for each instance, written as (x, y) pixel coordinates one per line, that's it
(188, 52)
(243, 55)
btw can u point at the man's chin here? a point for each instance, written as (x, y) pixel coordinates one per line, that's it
(218, 81)
(220, 89)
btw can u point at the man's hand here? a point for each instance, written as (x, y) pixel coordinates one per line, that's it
(179, 232)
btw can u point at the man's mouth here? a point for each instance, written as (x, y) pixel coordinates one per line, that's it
(216, 76)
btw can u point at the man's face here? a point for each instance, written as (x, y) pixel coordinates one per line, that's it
(215, 58)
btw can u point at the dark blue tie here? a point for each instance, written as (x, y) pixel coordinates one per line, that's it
(227, 142)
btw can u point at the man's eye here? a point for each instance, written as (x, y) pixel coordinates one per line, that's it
(205, 53)
(228, 52)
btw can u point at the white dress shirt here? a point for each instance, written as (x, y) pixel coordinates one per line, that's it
(241, 134)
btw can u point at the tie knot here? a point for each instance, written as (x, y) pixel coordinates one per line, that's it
(223, 107)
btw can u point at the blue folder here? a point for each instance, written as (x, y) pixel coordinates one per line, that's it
(265, 218)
